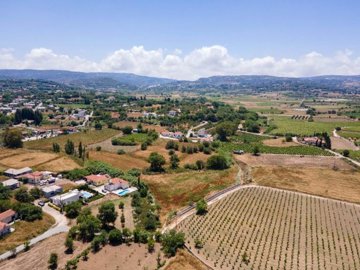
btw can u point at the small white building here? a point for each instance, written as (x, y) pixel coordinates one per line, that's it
(66, 198)
(17, 172)
(11, 183)
(51, 191)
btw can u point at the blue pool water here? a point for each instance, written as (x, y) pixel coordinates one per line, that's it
(86, 194)
(123, 192)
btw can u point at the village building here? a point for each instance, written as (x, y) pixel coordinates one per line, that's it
(97, 179)
(13, 173)
(116, 183)
(66, 198)
(51, 191)
(35, 178)
(11, 183)
(8, 216)
(172, 135)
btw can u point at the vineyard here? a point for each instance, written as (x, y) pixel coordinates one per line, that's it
(301, 127)
(264, 228)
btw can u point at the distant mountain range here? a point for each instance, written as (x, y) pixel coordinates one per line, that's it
(86, 79)
(127, 81)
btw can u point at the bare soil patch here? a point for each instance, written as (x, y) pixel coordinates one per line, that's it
(134, 257)
(294, 161)
(342, 143)
(279, 142)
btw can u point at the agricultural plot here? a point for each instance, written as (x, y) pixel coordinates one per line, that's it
(303, 127)
(263, 228)
(86, 137)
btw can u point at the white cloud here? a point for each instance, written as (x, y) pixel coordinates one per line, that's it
(201, 62)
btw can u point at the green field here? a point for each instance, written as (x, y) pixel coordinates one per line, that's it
(135, 138)
(349, 134)
(74, 106)
(247, 142)
(355, 155)
(285, 125)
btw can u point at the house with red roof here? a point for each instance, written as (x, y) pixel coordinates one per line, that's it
(8, 216)
(97, 179)
(116, 183)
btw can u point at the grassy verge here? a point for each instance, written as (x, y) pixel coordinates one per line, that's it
(25, 231)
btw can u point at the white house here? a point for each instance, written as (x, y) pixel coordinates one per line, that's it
(51, 191)
(11, 183)
(64, 199)
(17, 172)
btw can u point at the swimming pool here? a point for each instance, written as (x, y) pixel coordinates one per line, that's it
(86, 194)
(123, 192)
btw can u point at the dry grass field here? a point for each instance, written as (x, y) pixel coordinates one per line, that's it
(173, 191)
(129, 220)
(294, 161)
(28, 159)
(136, 158)
(337, 184)
(25, 231)
(58, 165)
(37, 257)
(123, 162)
(87, 137)
(184, 260)
(18, 158)
(134, 257)
(263, 228)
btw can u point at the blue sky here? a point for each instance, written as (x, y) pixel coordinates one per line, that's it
(94, 30)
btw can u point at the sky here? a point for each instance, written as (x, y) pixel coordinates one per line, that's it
(183, 39)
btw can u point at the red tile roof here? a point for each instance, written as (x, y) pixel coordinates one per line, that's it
(7, 214)
(118, 181)
(100, 178)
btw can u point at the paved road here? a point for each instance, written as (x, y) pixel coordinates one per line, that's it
(59, 227)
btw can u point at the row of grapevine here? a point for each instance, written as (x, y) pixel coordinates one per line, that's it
(264, 228)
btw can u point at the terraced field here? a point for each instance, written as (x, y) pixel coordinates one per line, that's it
(264, 228)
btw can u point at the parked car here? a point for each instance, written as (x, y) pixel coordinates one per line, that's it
(41, 203)
(239, 152)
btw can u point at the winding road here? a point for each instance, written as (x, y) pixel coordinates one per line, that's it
(60, 226)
